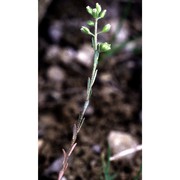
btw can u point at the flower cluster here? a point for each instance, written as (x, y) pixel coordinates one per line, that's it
(97, 13)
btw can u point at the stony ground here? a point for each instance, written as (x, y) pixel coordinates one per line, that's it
(65, 59)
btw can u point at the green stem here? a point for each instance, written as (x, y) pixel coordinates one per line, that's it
(95, 57)
(93, 76)
(95, 34)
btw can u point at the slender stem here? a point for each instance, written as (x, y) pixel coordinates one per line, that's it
(94, 62)
(95, 34)
(100, 32)
(78, 126)
(95, 48)
(92, 79)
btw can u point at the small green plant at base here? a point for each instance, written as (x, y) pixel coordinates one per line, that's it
(97, 13)
(106, 167)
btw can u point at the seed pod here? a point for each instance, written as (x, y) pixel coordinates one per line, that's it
(103, 47)
(90, 23)
(86, 30)
(106, 28)
(98, 7)
(89, 9)
(102, 14)
(95, 13)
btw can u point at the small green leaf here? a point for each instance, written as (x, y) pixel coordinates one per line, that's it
(93, 42)
(90, 23)
(96, 57)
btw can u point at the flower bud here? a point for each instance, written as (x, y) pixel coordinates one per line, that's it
(89, 9)
(90, 23)
(106, 28)
(102, 14)
(95, 13)
(103, 47)
(98, 7)
(85, 30)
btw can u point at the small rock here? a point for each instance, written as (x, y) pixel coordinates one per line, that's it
(130, 64)
(64, 178)
(90, 110)
(130, 46)
(127, 110)
(40, 144)
(55, 73)
(55, 31)
(55, 94)
(106, 77)
(85, 55)
(52, 52)
(96, 148)
(123, 33)
(47, 120)
(120, 141)
(54, 167)
(67, 55)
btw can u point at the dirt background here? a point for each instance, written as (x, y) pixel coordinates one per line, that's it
(65, 59)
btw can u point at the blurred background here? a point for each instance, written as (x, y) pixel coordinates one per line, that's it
(113, 118)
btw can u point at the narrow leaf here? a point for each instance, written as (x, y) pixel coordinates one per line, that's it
(90, 93)
(94, 77)
(96, 56)
(65, 155)
(93, 42)
(85, 107)
(90, 23)
(72, 148)
(89, 83)
(81, 124)
(74, 133)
